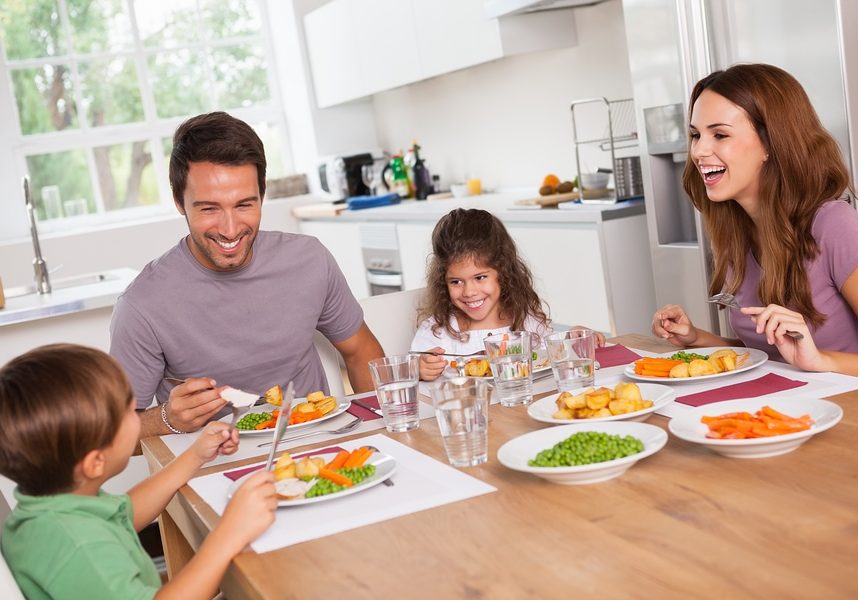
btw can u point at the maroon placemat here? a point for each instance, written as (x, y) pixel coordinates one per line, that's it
(360, 411)
(613, 356)
(761, 386)
(239, 473)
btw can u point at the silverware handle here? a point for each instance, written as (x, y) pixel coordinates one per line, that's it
(297, 437)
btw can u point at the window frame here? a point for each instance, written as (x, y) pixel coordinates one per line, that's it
(152, 129)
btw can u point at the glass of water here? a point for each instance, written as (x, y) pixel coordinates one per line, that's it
(395, 379)
(573, 355)
(512, 366)
(461, 407)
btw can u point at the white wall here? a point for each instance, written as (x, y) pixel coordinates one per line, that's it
(509, 121)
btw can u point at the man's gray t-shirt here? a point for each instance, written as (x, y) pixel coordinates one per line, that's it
(249, 329)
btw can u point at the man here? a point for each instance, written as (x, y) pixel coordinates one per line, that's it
(231, 305)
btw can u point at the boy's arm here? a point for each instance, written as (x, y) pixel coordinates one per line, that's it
(150, 497)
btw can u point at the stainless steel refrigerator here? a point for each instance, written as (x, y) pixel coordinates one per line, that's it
(674, 43)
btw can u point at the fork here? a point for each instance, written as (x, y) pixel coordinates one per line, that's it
(729, 300)
(344, 429)
(177, 381)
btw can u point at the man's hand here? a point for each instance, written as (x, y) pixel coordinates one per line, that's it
(193, 403)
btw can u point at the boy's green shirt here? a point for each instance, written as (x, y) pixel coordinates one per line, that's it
(70, 546)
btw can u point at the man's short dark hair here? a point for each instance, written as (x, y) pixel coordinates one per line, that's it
(218, 138)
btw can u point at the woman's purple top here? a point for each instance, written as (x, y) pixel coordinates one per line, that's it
(835, 229)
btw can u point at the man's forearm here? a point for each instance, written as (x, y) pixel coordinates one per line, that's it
(151, 423)
(359, 376)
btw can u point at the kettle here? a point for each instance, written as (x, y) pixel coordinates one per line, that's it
(397, 179)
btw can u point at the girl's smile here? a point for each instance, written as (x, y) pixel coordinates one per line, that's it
(475, 290)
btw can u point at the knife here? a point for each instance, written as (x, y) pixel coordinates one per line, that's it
(281, 424)
(368, 407)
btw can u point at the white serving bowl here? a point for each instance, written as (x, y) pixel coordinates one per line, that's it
(661, 395)
(516, 452)
(825, 415)
(460, 190)
(594, 181)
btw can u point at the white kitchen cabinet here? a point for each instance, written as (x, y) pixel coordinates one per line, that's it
(385, 44)
(361, 47)
(446, 43)
(342, 239)
(415, 246)
(332, 51)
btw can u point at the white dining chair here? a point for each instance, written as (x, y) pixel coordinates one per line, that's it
(331, 364)
(393, 319)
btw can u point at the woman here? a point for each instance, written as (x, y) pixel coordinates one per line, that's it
(769, 181)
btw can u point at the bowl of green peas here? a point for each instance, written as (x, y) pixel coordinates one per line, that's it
(585, 453)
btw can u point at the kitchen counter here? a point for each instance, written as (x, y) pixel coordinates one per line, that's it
(501, 204)
(69, 295)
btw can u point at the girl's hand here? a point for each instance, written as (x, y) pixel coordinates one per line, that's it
(215, 438)
(250, 511)
(431, 366)
(672, 324)
(775, 321)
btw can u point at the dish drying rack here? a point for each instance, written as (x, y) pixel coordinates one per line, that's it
(610, 125)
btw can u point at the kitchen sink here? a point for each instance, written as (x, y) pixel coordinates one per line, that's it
(61, 284)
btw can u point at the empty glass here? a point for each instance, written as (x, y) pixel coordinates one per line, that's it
(512, 367)
(461, 408)
(395, 379)
(572, 354)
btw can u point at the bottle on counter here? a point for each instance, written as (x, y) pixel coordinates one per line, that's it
(399, 182)
(422, 178)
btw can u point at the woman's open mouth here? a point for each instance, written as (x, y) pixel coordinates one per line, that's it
(712, 175)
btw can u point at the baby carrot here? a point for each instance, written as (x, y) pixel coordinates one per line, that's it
(335, 477)
(354, 459)
(338, 461)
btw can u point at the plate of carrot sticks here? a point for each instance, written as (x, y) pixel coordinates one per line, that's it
(756, 427)
(261, 419)
(657, 369)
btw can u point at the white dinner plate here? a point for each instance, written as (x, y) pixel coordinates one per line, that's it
(757, 358)
(385, 466)
(342, 405)
(515, 453)
(825, 415)
(661, 395)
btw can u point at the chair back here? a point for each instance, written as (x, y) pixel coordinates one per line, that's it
(393, 319)
(9, 589)
(331, 364)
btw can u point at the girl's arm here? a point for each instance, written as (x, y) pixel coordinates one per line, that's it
(150, 497)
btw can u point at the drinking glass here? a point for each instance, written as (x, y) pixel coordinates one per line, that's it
(395, 379)
(51, 202)
(368, 176)
(572, 354)
(512, 368)
(461, 408)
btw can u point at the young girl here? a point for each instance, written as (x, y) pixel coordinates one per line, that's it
(477, 285)
(769, 181)
(68, 424)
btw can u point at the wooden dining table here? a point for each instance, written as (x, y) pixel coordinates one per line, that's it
(683, 523)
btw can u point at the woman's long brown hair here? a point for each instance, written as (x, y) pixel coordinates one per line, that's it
(477, 234)
(804, 170)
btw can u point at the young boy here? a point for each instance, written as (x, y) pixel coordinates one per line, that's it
(68, 424)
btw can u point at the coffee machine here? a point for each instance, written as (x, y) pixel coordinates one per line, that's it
(341, 177)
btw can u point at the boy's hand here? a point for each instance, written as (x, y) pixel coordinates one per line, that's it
(431, 366)
(216, 438)
(251, 510)
(193, 403)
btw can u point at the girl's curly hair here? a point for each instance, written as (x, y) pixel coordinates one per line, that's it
(479, 235)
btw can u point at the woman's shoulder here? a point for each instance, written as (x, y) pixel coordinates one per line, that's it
(835, 217)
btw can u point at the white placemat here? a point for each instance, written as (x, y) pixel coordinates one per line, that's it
(249, 444)
(421, 482)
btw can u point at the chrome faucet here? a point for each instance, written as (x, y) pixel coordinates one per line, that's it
(40, 267)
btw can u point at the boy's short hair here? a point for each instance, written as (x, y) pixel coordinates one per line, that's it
(57, 403)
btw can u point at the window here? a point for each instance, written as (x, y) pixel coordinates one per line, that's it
(99, 86)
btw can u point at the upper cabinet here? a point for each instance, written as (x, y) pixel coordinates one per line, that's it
(361, 47)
